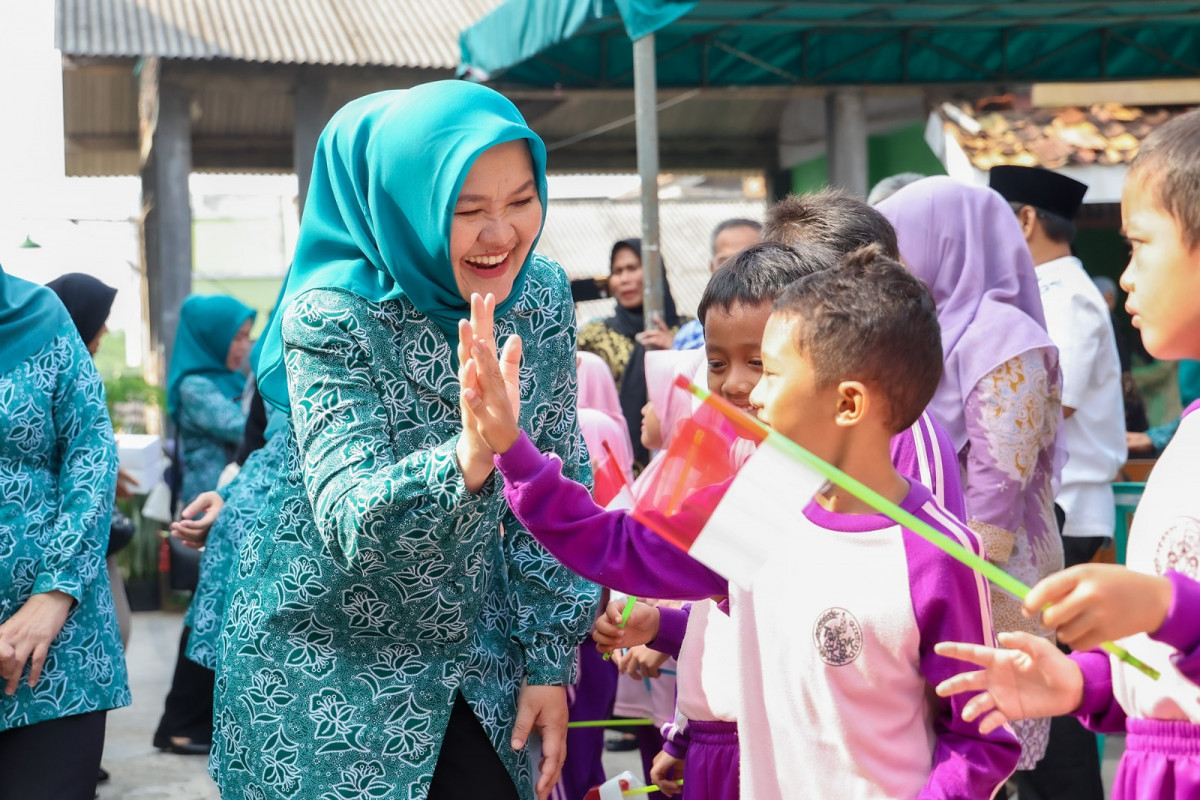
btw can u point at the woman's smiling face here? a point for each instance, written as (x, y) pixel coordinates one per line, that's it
(496, 219)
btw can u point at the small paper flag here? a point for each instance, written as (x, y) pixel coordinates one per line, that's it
(805, 463)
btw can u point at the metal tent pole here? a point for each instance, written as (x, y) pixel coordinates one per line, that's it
(645, 93)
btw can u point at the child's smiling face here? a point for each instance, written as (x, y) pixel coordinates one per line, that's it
(1163, 276)
(733, 346)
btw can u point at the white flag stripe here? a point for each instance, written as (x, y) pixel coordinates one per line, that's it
(623, 501)
(764, 504)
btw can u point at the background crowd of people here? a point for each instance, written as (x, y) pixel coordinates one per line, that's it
(400, 575)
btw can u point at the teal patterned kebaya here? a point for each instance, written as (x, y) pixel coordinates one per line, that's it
(58, 464)
(210, 422)
(374, 587)
(244, 499)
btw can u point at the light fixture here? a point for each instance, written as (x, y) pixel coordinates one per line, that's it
(29, 243)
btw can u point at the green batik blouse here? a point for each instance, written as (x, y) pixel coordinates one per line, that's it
(58, 473)
(244, 498)
(374, 587)
(210, 423)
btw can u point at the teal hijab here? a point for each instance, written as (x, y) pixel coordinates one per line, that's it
(386, 176)
(30, 316)
(207, 326)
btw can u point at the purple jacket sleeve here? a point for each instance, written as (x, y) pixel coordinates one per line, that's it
(950, 602)
(672, 624)
(925, 453)
(1181, 628)
(1099, 711)
(608, 547)
(675, 736)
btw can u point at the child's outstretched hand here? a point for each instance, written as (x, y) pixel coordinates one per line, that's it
(492, 392)
(641, 628)
(1030, 679)
(1095, 603)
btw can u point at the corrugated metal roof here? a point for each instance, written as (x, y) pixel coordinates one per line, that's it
(579, 235)
(391, 33)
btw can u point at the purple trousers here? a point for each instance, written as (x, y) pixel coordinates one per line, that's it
(1161, 761)
(710, 771)
(591, 698)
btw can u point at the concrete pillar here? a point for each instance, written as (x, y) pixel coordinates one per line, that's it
(165, 138)
(846, 139)
(310, 100)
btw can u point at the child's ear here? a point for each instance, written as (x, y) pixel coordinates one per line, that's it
(853, 402)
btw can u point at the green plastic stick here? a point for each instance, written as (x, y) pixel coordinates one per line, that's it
(630, 600)
(643, 790)
(885, 506)
(609, 723)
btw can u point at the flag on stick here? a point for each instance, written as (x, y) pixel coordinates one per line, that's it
(609, 480)
(733, 527)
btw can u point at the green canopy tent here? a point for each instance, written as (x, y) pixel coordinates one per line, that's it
(737, 43)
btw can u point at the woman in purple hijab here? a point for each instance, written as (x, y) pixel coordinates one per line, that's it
(1000, 394)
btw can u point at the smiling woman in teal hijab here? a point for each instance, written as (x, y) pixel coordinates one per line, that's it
(392, 630)
(380, 205)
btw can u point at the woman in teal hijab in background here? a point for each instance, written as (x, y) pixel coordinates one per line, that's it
(204, 386)
(393, 631)
(204, 392)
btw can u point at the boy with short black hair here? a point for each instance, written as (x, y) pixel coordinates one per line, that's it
(834, 636)
(1159, 594)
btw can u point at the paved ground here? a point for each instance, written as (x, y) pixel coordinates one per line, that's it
(139, 772)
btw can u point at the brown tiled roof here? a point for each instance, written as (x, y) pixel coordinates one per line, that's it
(1006, 130)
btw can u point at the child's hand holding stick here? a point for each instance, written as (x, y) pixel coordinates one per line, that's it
(1090, 604)
(639, 627)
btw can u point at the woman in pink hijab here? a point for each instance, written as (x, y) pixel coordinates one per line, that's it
(600, 417)
(1000, 395)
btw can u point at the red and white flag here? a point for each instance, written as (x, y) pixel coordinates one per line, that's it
(729, 512)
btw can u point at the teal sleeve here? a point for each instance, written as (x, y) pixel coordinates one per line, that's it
(555, 607)
(1161, 435)
(87, 477)
(360, 492)
(206, 409)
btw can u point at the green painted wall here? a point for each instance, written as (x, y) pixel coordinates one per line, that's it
(902, 150)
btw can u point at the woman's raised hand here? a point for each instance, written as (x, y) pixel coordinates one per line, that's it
(488, 390)
(477, 337)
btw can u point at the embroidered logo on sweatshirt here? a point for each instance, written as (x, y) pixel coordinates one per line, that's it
(837, 636)
(1179, 549)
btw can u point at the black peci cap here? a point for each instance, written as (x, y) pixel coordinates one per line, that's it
(1040, 188)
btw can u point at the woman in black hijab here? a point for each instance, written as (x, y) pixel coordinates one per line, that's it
(622, 341)
(89, 302)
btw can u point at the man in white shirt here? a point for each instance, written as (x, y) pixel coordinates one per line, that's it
(1078, 322)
